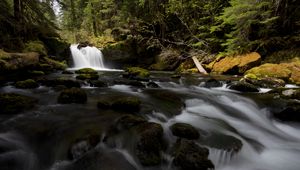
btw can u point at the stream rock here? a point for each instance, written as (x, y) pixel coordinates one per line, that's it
(81, 146)
(266, 82)
(243, 87)
(86, 71)
(27, 84)
(72, 95)
(212, 83)
(122, 103)
(11, 103)
(98, 83)
(184, 130)
(188, 155)
(133, 83)
(290, 113)
(149, 144)
(152, 85)
(58, 82)
(87, 77)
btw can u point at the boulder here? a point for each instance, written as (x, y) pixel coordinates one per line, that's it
(35, 46)
(87, 77)
(243, 87)
(11, 103)
(212, 83)
(72, 95)
(222, 142)
(122, 103)
(152, 84)
(290, 113)
(150, 143)
(137, 72)
(27, 84)
(265, 82)
(236, 64)
(67, 72)
(188, 155)
(271, 70)
(128, 121)
(48, 64)
(58, 82)
(83, 145)
(98, 83)
(184, 130)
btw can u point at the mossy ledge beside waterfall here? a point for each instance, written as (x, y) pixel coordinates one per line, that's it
(87, 57)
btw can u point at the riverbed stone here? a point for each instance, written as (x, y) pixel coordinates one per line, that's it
(87, 76)
(212, 83)
(150, 143)
(86, 71)
(188, 155)
(265, 82)
(27, 84)
(137, 72)
(152, 84)
(98, 83)
(290, 112)
(184, 130)
(83, 145)
(128, 104)
(11, 103)
(72, 95)
(59, 81)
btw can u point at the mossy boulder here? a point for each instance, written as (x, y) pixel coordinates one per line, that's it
(36, 73)
(222, 142)
(11, 103)
(150, 143)
(188, 155)
(87, 77)
(167, 60)
(186, 66)
(290, 113)
(137, 72)
(53, 64)
(35, 46)
(86, 71)
(72, 95)
(243, 87)
(27, 84)
(122, 103)
(184, 130)
(271, 70)
(236, 64)
(265, 82)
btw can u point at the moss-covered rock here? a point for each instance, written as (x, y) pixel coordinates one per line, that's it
(137, 71)
(87, 77)
(86, 71)
(122, 103)
(188, 155)
(11, 103)
(266, 82)
(186, 66)
(67, 72)
(212, 83)
(184, 130)
(290, 113)
(236, 64)
(37, 73)
(128, 121)
(243, 87)
(54, 64)
(35, 46)
(27, 84)
(271, 70)
(58, 82)
(150, 143)
(72, 95)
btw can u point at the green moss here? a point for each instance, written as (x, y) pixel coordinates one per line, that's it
(11, 103)
(72, 95)
(251, 76)
(57, 65)
(271, 70)
(86, 71)
(27, 84)
(35, 46)
(87, 76)
(127, 104)
(37, 73)
(137, 71)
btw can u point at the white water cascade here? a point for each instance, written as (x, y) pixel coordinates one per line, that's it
(87, 57)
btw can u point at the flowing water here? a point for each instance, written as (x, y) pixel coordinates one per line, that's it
(40, 139)
(87, 57)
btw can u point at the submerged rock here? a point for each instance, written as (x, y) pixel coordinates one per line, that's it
(123, 103)
(152, 85)
(184, 130)
(188, 155)
(87, 76)
(81, 146)
(150, 143)
(98, 83)
(133, 83)
(11, 103)
(27, 84)
(212, 83)
(72, 95)
(128, 121)
(290, 113)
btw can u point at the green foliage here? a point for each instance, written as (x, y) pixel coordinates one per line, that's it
(137, 71)
(35, 46)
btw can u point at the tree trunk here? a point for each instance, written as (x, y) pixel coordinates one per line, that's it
(94, 20)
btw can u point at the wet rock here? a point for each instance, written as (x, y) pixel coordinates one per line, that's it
(86, 71)
(27, 84)
(212, 83)
(36, 73)
(53, 64)
(122, 103)
(87, 76)
(291, 93)
(271, 70)
(98, 83)
(184, 130)
(60, 81)
(167, 60)
(128, 121)
(83, 145)
(176, 76)
(67, 72)
(72, 95)
(149, 144)
(35, 46)
(152, 85)
(290, 113)
(188, 155)
(133, 83)
(11, 103)
(243, 87)
(104, 159)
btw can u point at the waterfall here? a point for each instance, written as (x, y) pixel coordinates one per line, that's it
(87, 57)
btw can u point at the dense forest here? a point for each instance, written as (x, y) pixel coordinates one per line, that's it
(210, 27)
